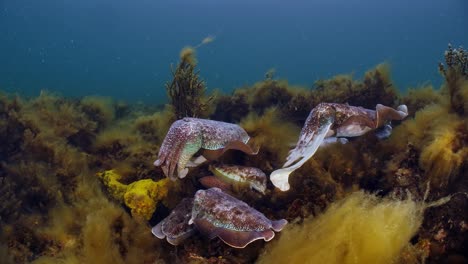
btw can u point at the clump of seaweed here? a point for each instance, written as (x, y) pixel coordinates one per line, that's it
(130, 144)
(231, 108)
(11, 129)
(294, 103)
(418, 98)
(271, 133)
(153, 128)
(52, 207)
(375, 87)
(456, 78)
(432, 149)
(186, 91)
(93, 229)
(362, 228)
(438, 131)
(99, 109)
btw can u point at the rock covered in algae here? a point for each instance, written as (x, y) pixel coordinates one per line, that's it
(217, 214)
(141, 196)
(176, 226)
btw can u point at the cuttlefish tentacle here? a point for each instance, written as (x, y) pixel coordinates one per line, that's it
(182, 141)
(329, 119)
(385, 113)
(318, 126)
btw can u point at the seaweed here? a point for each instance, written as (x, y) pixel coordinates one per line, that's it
(376, 86)
(231, 108)
(46, 179)
(456, 78)
(418, 98)
(361, 228)
(55, 209)
(271, 133)
(11, 129)
(186, 91)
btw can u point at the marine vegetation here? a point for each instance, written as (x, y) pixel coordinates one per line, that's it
(361, 228)
(78, 183)
(186, 91)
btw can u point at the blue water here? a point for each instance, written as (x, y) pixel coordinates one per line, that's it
(124, 49)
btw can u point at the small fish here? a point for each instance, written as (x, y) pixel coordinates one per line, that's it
(205, 41)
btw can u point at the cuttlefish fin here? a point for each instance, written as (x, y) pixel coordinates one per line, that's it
(157, 231)
(240, 239)
(385, 113)
(280, 177)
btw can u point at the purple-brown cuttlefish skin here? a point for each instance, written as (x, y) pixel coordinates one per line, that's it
(176, 226)
(188, 135)
(217, 214)
(231, 177)
(330, 119)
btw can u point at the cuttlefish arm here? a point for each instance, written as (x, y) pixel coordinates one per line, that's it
(316, 128)
(384, 113)
(180, 144)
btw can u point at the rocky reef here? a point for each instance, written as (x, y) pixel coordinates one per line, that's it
(78, 184)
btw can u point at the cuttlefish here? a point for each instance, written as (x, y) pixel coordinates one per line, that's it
(328, 120)
(217, 214)
(189, 135)
(234, 177)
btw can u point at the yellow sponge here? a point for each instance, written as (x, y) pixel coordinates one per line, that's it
(141, 196)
